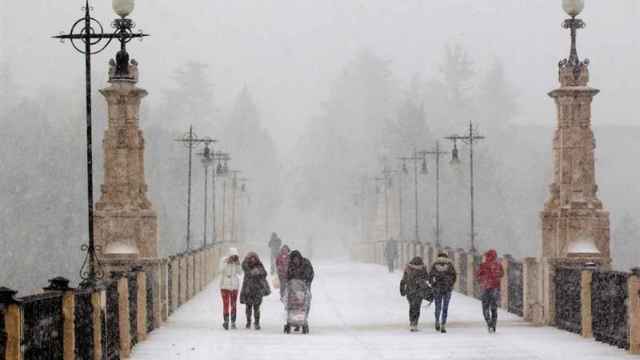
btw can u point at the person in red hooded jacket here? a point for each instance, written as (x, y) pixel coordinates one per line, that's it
(489, 274)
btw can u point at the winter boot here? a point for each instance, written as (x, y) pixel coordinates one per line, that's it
(233, 321)
(437, 326)
(413, 327)
(225, 324)
(443, 329)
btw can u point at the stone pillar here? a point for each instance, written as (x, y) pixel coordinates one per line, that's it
(585, 301)
(123, 317)
(504, 284)
(164, 290)
(126, 226)
(471, 276)
(532, 309)
(456, 265)
(141, 321)
(69, 327)
(574, 221)
(10, 309)
(97, 306)
(634, 312)
(175, 284)
(182, 268)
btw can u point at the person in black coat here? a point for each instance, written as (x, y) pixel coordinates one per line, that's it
(413, 285)
(442, 278)
(254, 287)
(300, 268)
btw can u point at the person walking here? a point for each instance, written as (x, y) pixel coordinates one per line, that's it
(300, 268)
(489, 274)
(254, 287)
(414, 285)
(442, 277)
(229, 284)
(275, 243)
(282, 265)
(391, 253)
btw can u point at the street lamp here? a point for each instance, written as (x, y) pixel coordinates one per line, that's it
(469, 139)
(207, 160)
(221, 169)
(190, 140)
(437, 154)
(573, 8)
(415, 158)
(86, 37)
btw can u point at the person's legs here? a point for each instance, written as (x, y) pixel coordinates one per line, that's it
(446, 298)
(233, 305)
(225, 308)
(437, 299)
(414, 312)
(248, 315)
(494, 308)
(486, 304)
(256, 315)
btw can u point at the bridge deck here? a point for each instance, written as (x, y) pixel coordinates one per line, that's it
(357, 313)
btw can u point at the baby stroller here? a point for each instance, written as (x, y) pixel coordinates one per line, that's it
(298, 303)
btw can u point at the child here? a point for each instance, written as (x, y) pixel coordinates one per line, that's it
(229, 284)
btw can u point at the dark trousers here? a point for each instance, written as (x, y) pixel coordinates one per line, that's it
(390, 264)
(283, 286)
(490, 299)
(255, 308)
(442, 298)
(414, 309)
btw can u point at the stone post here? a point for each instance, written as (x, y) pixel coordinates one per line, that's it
(175, 284)
(183, 279)
(69, 327)
(504, 284)
(456, 265)
(164, 290)
(532, 310)
(634, 311)
(471, 276)
(141, 320)
(123, 317)
(548, 291)
(585, 301)
(97, 307)
(10, 309)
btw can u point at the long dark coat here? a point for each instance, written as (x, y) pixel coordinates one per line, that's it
(255, 281)
(442, 275)
(414, 279)
(300, 268)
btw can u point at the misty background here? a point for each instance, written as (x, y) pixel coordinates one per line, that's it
(309, 97)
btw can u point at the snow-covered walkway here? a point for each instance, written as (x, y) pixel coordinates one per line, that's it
(357, 313)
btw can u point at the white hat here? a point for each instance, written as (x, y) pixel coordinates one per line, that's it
(233, 252)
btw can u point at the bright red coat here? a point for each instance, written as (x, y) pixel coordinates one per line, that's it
(490, 271)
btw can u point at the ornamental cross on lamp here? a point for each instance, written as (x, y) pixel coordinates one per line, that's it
(88, 37)
(573, 8)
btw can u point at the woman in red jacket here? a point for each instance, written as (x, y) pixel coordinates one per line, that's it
(489, 274)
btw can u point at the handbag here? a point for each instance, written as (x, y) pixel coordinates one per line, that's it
(266, 289)
(426, 291)
(275, 281)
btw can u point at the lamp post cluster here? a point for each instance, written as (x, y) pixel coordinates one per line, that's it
(417, 163)
(219, 162)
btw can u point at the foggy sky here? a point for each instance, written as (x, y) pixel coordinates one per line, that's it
(288, 51)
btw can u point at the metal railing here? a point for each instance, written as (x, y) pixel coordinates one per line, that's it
(133, 307)
(42, 327)
(609, 302)
(111, 335)
(515, 283)
(84, 324)
(568, 313)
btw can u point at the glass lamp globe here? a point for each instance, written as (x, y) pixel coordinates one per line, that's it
(573, 7)
(123, 7)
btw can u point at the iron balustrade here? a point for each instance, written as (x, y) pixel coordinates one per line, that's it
(111, 334)
(42, 327)
(150, 300)
(133, 307)
(568, 314)
(84, 324)
(609, 304)
(462, 275)
(515, 287)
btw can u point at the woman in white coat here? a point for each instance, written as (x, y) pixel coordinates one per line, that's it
(229, 284)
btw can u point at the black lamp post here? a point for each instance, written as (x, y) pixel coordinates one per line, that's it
(190, 140)
(437, 154)
(416, 158)
(87, 36)
(470, 138)
(207, 160)
(222, 169)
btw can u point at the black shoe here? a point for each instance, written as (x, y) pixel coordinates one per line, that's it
(297, 328)
(225, 324)
(443, 329)
(305, 329)
(257, 326)
(437, 326)
(233, 326)
(248, 326)
(287, 329)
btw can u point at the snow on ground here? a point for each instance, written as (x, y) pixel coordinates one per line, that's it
(357, 313)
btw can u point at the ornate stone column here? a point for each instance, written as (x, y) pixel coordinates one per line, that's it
(575, 224)
(125, 222)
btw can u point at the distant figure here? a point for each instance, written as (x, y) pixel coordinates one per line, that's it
(282, 265)
(442, 277)
(489, 274)
(391, 253)
(229, 284)
(274, 244)
(254, 287)
(414, 285)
